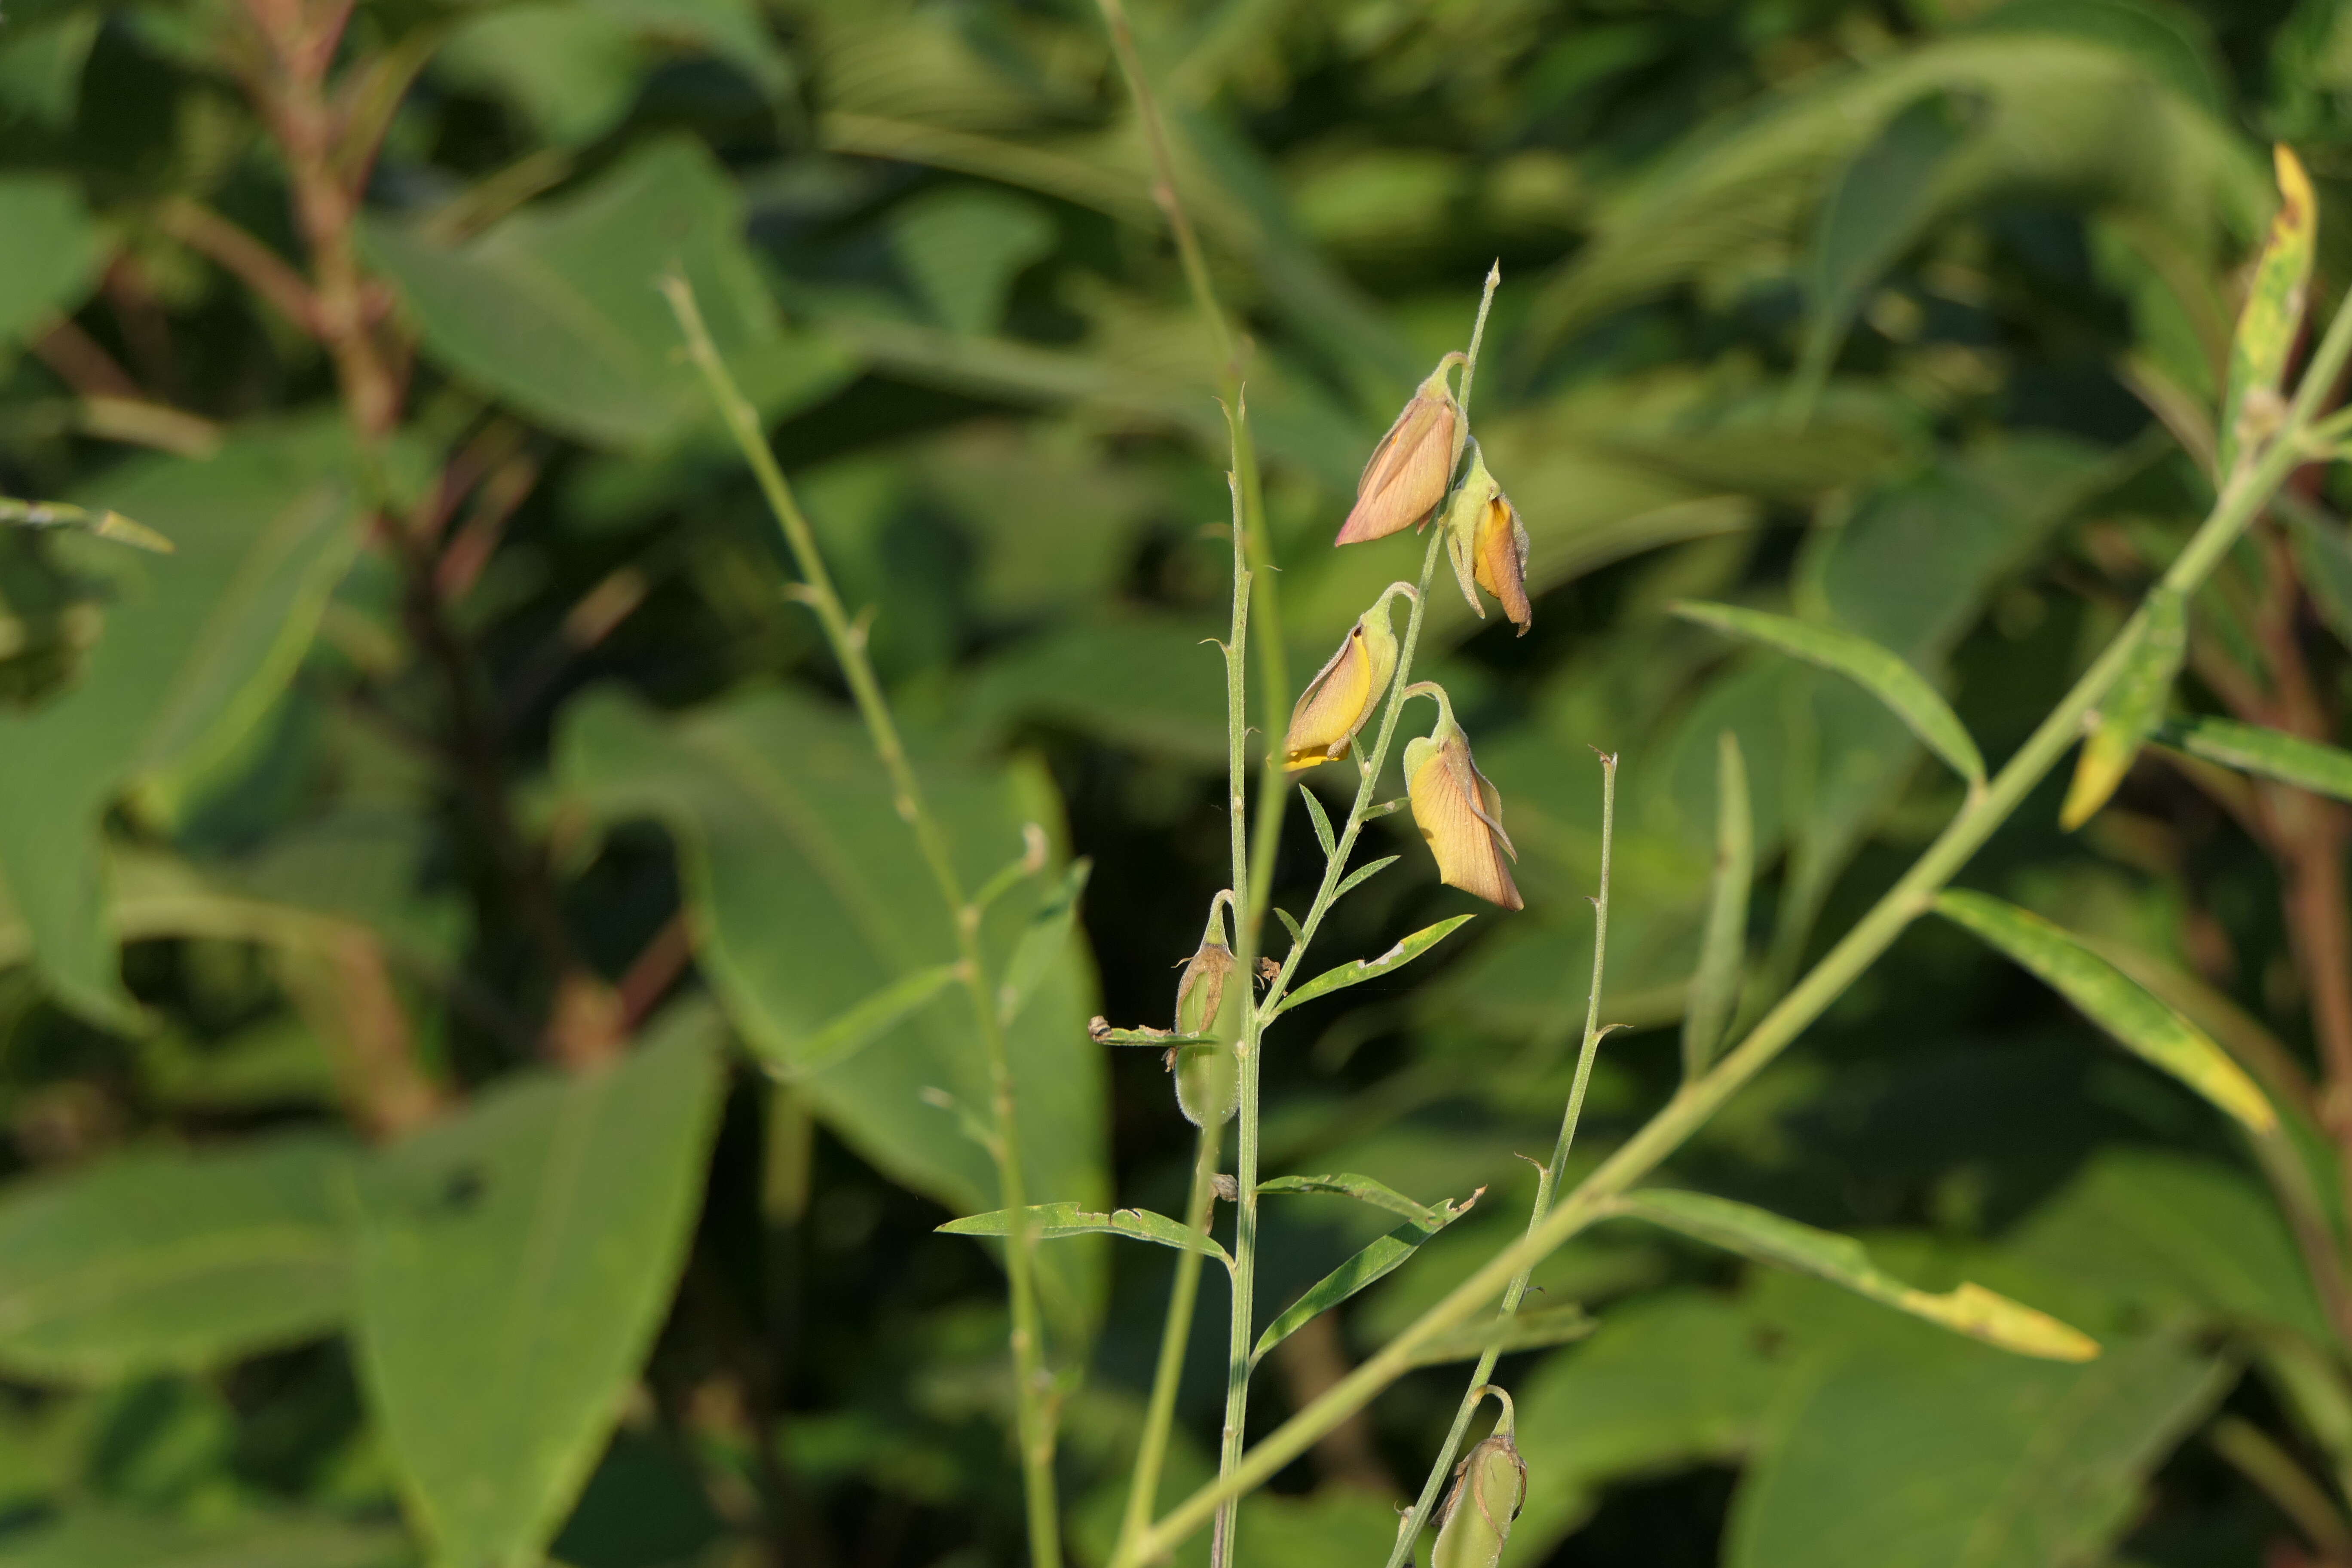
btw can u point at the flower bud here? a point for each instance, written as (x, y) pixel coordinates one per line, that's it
(1207, 1076)
(1411, 467)
(1459, 812)
(1488, 545)
(1489, 1486)
(1342, 695)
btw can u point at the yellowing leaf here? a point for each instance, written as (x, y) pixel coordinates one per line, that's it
(2133, 709)
(2272, 317)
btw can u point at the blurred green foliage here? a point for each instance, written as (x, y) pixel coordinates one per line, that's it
(440, 761)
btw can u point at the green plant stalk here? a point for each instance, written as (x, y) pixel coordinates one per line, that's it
(1237, 1364)
(1547, 1183)
(1910, 897)
(1175, 1334)
(848, 640)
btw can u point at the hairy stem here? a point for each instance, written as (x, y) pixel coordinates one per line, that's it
(1547, 1183)
(1846, 960)
(848, 640)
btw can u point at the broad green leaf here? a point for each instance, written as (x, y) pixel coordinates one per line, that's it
(1364, 1189)
(2269, 753)
(198, 645)
(2133, 708)
(1969, 1309)
(1363, 969)
(1522, 1330)
(94, 1538)
(52, 255)
(2023, 1464)
(1722, 942)
(964, 246)
(1049, 1221)
(2273, 316)
(810, 896)
(1368, 1266)
(2112, 1000)
(1884, 674)
(514, 1262)
(555, 309)
(151, 1261)
(1876, 210)
(858, 1027)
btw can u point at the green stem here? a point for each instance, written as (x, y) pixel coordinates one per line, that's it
(1175, 1334)
(1547, 1182)
(1837, 969)
(848, 640)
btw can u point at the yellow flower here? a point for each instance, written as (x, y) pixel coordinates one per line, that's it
(1341, 696)
(1489, 544)
(1409, 470)
(1459, 812)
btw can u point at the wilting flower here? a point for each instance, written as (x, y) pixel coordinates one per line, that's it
(1341, 696)
(1207, 1076)
(1489, 544)
(1409, 470)
(1458, 811)
(1489, 1486)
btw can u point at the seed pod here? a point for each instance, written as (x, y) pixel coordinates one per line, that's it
(1344, 691)
(1489, 1486)
(1208, 1078)
(1409, 470)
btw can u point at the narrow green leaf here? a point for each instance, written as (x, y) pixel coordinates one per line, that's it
(514, 1264)
(1969, 1309)
(1316, 813)
(1289, 925)
(1362, 969)
(2133, 708)
(1361, 875)
(1049, 1221)
(2114, 1001)
(1519, 1331)
(1043, 944)
(152, 1261)
(1369, 1264)
(2272, 317)
(2250, 749)
(851, 1032)
(1882, 674)
(1102, 1034)
(101, 523)
(1723, 946)
(1364, 1189)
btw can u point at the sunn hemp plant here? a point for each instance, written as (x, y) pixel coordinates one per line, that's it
(1428, 475)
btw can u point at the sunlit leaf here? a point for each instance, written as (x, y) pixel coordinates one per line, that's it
(2115, 1002)
(1884, 674)
(2133, 707)
(1363, 969)
(2273, 316)
(514, 1264)
(1969, 1309)
(2270, 754)
(1722, 942)
(1049, 1221)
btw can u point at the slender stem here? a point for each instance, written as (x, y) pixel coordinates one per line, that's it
(2275, 1472)
(1245, 933)
(1547, 1183)
(1175, 1334)
(1692, 1105)
(848, 643)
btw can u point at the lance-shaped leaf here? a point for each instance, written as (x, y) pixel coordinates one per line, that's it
(1102, 1034)
(2116, 1002)
(852, 1031)
(1044, 943)
(1882, 674)
(1723, 946)
(1368, 1266)
(1049, 1221)
(1363, 969)
(1363, 1189)
(1969, 1309)
(1519, 1331)
(2250, 749)
(1316, 813)
(101, 523)
(2133, 709)
(2272, 317)
(1361, 875)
